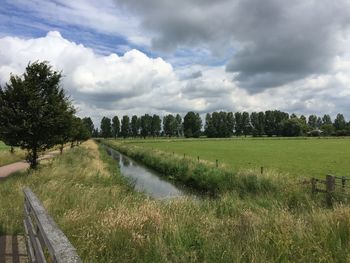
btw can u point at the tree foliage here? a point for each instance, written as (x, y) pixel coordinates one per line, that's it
(125, 126)
(106, 127)
(135, 125)
(192, 125)
(34, 110)
(115, 126)
(227, 124)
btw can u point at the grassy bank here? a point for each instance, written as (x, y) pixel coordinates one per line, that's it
(6, 157)
(299, 157)
(203, 176)
(108, 222)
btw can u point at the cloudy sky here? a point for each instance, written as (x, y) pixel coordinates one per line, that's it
(163, 56)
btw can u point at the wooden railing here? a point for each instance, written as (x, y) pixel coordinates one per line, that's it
(45, 241)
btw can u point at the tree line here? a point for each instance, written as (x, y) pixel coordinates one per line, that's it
(150, 125)
(223, 124)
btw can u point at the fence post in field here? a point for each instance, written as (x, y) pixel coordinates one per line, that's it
(217, 163)
(198, 158)
(313, 185)
(343, 180)
(261, 169)
(330, 186)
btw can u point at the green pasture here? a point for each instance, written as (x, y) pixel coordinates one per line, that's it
(3, 146)
(6, 157)
(297, 157)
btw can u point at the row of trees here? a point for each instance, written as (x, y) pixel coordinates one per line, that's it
(273, 123)
(224, 124)
(35, 113)
(147, 125)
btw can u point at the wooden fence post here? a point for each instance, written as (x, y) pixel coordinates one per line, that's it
(198, 158)
(217, 163)
(313, 185)
(330, 186)
(343, 180)
(261, 169)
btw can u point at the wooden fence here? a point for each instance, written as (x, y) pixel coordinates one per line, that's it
(45, 241)
(331, 186)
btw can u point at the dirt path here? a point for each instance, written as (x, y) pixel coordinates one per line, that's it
(6, 170)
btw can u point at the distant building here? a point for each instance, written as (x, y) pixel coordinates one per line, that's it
(316, 132)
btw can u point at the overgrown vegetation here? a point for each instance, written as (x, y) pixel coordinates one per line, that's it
(108, 222)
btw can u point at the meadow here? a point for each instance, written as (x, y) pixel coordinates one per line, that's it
(107, 221)
(299, 158)
(6, 157)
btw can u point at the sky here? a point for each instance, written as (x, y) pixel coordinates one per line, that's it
(130, 57)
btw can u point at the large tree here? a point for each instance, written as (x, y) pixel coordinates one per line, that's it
(179, 128)
(339, 122)
(78, 132)
(326, 119)
(156, 125)
(115, 126)
(254, 120)
(32, 106)
(89, 125)
(312, 121)
(135, 126)
(261, 123)
(246, 123)
(192, 124)
(125, 127)
(292, 127)
(106, 127)
(209, 128)
(146, 125)
(170, 125)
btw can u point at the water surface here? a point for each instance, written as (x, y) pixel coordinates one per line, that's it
(144, 179)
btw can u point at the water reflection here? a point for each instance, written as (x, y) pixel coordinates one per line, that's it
(145, 179)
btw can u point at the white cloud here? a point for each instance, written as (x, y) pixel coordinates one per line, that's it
(100, 16)
(136, 84)
(132, 83)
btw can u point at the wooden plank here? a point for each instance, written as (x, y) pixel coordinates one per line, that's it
(12, 249)
(29, 244)
(58, 245)
(37, 248)
(22, 249)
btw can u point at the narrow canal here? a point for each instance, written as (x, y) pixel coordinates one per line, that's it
(144, 179)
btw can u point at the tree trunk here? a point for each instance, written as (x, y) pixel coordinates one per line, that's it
(33, 158)
(12, 150)
(72, 144)
(61, 148)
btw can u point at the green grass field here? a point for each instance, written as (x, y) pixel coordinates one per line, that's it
(3, 146)
(6, 157)
(297, 157)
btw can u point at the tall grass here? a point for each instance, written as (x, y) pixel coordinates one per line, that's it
(6, 157)
(108, 222)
